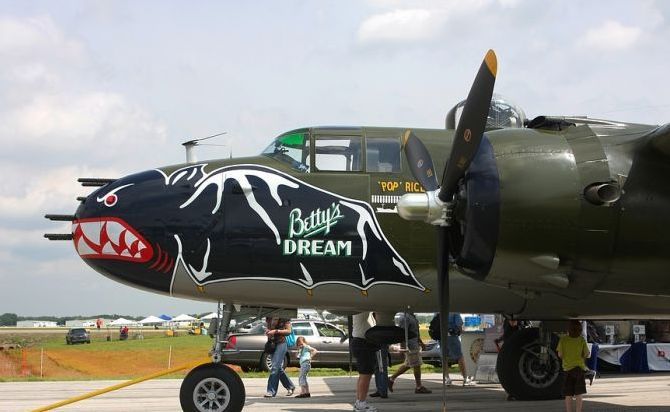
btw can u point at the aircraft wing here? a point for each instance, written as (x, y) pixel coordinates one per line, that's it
(659, 139)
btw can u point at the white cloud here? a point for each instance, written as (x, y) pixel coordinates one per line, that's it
(53, 191)
(610, 36)
(510, 4)
(64, 121)
(26, 239)
(422, 22)
(28, 36)
(414, 24)
(53, 103)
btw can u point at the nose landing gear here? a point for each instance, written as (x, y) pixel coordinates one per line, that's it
(214, 387)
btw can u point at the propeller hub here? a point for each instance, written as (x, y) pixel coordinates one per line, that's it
(426, 207)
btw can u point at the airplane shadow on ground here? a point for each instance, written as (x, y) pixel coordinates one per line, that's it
(483, 397)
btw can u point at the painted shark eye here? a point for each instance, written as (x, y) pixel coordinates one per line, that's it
(111, 198)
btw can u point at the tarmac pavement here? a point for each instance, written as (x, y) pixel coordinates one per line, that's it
(646, 393)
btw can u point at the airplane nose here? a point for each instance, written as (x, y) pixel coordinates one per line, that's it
(118, 232)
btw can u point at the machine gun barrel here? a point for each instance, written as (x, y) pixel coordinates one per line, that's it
(94, 181)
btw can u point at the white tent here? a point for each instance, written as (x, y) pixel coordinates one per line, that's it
(121, 322)
(151, 319)
(210, 316)
(183, 318)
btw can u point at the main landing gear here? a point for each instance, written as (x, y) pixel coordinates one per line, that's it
(214, 387)
(528, 366)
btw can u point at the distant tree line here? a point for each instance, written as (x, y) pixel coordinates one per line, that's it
(8, 319)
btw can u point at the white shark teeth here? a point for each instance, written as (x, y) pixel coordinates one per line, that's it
(114, 230)
(129, 238)
(83, 249)
(91, 231)
(114, 234)
(108, 249)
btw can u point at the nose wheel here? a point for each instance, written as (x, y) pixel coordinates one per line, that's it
(212, 388)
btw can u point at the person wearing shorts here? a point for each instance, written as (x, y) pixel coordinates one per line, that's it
(366, 360)
(455, 327)
(413, 353)
(573, 351)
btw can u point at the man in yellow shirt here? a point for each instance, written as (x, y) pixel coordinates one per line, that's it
(572, 350)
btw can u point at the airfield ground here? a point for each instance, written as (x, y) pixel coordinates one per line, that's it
(73, 370)
(644, 393)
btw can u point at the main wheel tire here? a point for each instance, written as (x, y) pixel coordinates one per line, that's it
(522, 372)
(212, 388)
(266, 362)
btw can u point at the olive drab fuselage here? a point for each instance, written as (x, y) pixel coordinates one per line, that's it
(313, 222)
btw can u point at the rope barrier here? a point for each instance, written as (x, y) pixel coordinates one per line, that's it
(120, 385)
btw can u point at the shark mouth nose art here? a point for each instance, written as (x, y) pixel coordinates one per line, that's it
(109, 238)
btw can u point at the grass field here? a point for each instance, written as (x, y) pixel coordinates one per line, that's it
(104, 359)
(114, 359)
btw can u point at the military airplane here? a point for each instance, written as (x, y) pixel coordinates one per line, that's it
(547, 219)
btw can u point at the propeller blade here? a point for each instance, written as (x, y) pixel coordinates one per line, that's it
(443, 296)
(470, 126)
(420, 162)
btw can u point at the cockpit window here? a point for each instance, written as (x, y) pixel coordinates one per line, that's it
(383, 155)
(291, 148)
(337, 153)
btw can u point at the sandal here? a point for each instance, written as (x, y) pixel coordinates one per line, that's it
(422, 389)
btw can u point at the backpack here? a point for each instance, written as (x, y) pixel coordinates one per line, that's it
(434, 327)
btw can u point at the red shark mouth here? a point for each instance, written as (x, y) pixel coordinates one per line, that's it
(109, 238)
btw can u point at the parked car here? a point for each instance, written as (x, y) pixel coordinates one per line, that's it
(77, 335)
(331, 342)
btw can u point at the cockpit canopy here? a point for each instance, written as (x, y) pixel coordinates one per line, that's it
(339, 150)
(291, 148)
(502, 114)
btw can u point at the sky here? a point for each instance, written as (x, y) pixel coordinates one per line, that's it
(108, 88)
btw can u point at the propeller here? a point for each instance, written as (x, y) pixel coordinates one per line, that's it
(467, 138)
(470, 127)
(420, 161)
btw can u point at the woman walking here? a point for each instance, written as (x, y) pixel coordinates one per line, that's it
(276, 333)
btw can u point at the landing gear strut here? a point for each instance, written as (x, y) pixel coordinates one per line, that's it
(528, 366)
(214, 387)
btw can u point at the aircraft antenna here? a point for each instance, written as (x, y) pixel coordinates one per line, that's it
(190, 144)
